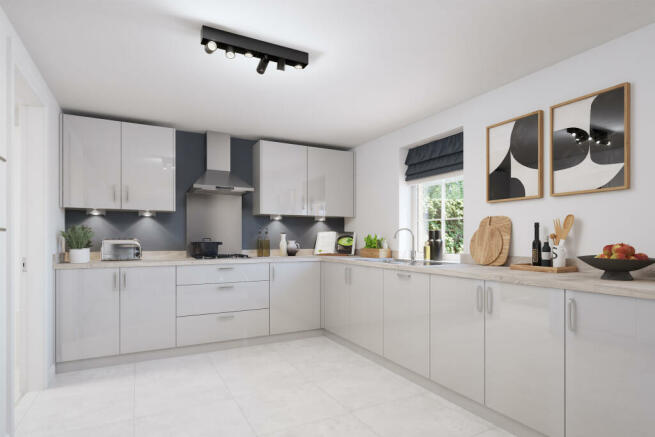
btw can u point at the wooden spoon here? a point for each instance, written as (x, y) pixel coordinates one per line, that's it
(568, 224)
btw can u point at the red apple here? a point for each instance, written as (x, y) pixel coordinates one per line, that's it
(602, 255)
(607, 250)
(619, 255)
(641, 256)
(633, 257)
(623, 248)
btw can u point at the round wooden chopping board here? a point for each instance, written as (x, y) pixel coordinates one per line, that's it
(486, 244)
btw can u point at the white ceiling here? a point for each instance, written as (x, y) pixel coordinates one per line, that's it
(374, 67)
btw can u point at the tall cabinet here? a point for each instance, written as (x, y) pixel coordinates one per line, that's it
(115, 165)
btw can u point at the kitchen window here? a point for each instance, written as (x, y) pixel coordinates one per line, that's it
(440, 206)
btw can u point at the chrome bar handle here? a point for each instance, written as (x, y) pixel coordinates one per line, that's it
(272, 272)
(572, 310)
(116, 281)
(225, 316)
(124, 280)
(225, 287)
(127, 193)
(403, 275)
(479, 299)
(490, 300)
(113, 187)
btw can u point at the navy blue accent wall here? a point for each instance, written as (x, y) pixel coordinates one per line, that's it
(167, 231)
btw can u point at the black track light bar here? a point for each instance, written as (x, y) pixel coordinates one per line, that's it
(259, 49)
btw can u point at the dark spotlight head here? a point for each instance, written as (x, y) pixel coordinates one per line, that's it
(211, 47)
(263, 63)
(229, 52)
(280, 64)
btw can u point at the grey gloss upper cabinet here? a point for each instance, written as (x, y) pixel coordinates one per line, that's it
(330, 184)
(610, 365)
(115, 165)
(302, 181)
(91, 164)
(280, 178)
(524, 355)
(148, 162)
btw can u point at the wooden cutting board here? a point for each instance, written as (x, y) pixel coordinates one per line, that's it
(487, 243)
(504, 226)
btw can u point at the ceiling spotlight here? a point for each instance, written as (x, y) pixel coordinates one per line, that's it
(233, 43)
(263, 63)
(211, 47)
(609, 143)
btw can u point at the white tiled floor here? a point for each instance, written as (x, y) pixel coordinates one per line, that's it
(310, 387)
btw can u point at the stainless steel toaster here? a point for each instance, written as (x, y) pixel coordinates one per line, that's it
(120, 250)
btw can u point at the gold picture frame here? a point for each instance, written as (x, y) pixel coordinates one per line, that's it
(539, 131)
(598, 140)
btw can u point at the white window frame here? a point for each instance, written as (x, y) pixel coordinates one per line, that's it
(417, 224)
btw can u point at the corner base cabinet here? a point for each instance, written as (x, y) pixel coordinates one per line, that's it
(295, 293)
(610, 366)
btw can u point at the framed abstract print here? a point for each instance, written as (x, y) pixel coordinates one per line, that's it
(514, 158)
(590, 143)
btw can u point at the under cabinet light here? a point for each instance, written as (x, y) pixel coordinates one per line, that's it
(147, 213)
(95, 211)
(276, 217)
(319, 219)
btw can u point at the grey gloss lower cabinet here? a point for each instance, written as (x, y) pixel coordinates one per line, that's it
(407, 320)
(524, 356)
(610, 366)
(87, 313)
(457, 335)
(147, 306)
(295, 296)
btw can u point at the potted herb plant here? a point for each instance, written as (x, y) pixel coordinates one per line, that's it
(373, 248)
(78, 242)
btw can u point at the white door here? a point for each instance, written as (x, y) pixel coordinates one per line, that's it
(148, 158)
(330, 182)
(91, 157)
(337, 298)
(610, 366)
(524, 373)
(366, 307)
(280, 178)
(407, 320)
(457, 335)
(87, 314)
(147, 308)
(295, 301)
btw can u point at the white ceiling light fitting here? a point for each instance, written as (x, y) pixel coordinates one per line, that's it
(213, 39)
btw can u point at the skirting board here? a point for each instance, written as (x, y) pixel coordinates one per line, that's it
(92, 363)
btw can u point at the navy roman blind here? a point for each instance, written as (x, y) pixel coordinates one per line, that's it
(438, 157)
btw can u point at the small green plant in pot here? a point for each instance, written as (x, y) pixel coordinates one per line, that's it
(374, 247)
(78, 242)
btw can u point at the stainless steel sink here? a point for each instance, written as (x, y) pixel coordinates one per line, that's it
(406, 262)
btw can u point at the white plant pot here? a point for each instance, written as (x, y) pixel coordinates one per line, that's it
(79, 256)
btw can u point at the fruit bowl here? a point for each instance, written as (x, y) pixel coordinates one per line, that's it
(617, 269)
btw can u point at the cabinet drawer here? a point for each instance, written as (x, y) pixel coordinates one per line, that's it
(219, 273)
(221, 327)
(221, 298)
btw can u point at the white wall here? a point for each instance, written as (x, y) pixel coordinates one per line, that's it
(45, 220)
(601, 218)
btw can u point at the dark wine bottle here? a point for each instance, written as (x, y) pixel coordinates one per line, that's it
(546, 255)
(536, 247)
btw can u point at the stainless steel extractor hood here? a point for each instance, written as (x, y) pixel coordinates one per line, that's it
(218, 179)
